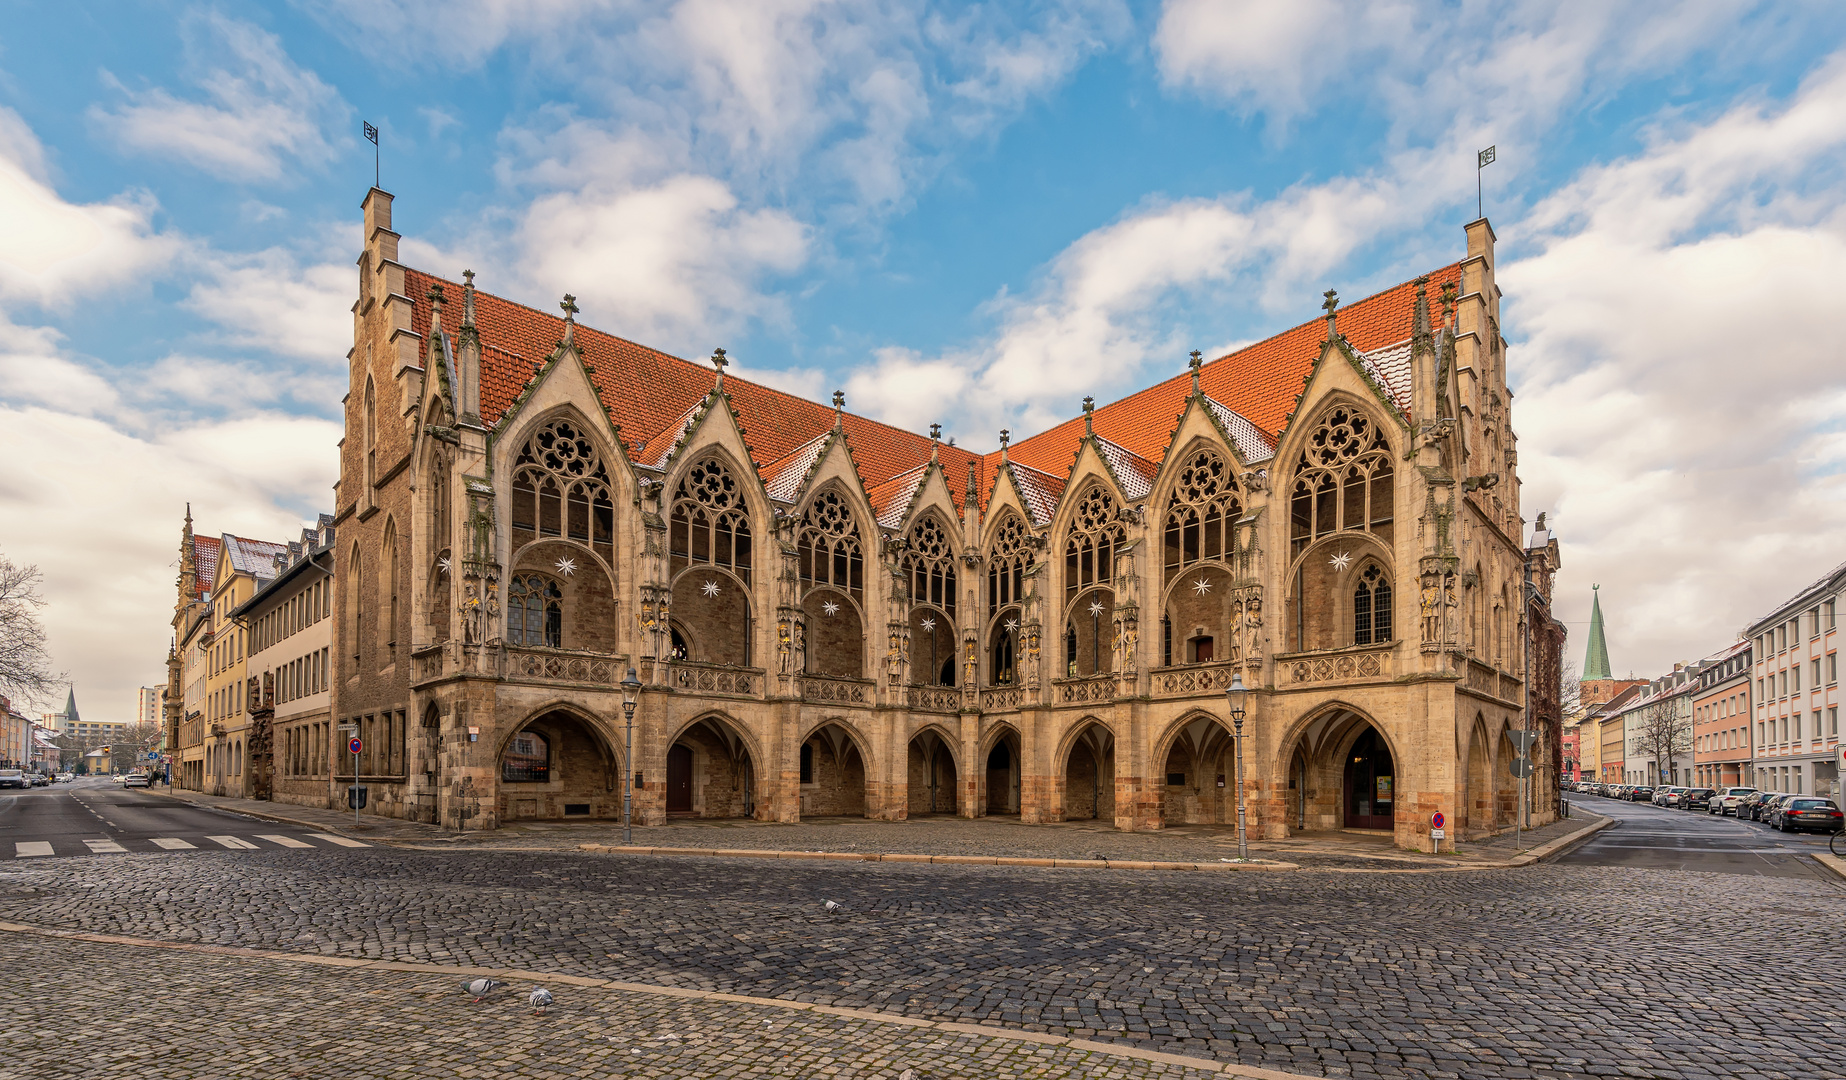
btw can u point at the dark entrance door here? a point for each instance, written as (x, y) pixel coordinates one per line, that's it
(999, 780)
(679, 780)
(1371, 784)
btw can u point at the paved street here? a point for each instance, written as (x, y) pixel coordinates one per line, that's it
(97, 817)
(1550, 971)
(1647, 836)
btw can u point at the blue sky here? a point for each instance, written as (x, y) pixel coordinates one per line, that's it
(961, 213)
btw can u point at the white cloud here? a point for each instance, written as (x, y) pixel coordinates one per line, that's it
(292, 303)
(51, 249)
(259, 116)
(1681, 391)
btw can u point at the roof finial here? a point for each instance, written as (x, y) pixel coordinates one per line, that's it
(839, 407)
(1197, 362)
(467, 298)
(1448, 304)
(569, 304)
(718, 361)
(1006, 437)
(1332, 304)
(435, 308)
(935, 442)
(1089, 411)
(974, 487)
(935, 433)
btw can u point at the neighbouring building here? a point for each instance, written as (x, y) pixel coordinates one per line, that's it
(827, 615)
(1795, 675)
(47, 757)
(1723, 741)
(1573, 751)
(147, 705)
(1612, 761)
(290, 628)
(212, 657)
(1601, 695)
(1664, 705)
(15, 736)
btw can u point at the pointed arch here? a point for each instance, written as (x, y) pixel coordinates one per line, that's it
(562, 487)
(933, 771)
(1342, 479)
(388, 602)
(714, 768)
(929, 572)
(1201, 510)
(835, 761)
(1084, 769)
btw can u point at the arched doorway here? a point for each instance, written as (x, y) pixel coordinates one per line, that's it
(558, 766)
(1002, 774)
(1199, 780)
(932, 775)
(1371, 783)
(832, 774)
(1477, 800)
(1089, 776)
(710, 773)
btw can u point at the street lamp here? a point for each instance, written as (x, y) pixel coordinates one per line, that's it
(1234, 694)
(631, 689)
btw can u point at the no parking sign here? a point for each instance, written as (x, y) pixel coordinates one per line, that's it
(1436, 822)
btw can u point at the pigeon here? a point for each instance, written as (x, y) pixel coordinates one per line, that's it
(834, 908)
(540, 999)
(480, 988)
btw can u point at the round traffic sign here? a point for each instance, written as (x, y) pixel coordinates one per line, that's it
(353, 745)
(1437, 821)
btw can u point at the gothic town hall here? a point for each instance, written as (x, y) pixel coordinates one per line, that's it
(832, 616)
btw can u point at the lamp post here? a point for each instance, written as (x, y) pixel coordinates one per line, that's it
(1234, 695)
(631, 688)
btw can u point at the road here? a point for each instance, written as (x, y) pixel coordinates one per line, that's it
(1485, 974)
(1649, 837)
(95, 816)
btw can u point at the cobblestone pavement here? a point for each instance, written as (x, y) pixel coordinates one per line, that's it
(187, 1016)
(1539, 972)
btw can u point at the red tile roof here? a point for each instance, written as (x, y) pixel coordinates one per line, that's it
(652, 395)
(1258, 382)
(649, 393)
(204, 563)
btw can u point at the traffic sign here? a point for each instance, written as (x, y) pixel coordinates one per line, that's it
(353, 745)
(1437, 821)
(1521, 767)
(1437, 834)
(1523, 740)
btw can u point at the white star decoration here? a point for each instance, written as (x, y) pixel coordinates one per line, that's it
(1096, 607)
(567, 566)
(830, 608)
(929, 624)
(443, 564)
(711, 588)
(1201, 586)
(1012, 624)
(1341, 561)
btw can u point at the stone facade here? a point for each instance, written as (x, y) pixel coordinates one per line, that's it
(830, 616)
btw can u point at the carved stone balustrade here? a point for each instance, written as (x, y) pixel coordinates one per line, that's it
(1002, 698)
(715, 678)
(837, 690)
(562, 666)
(1086, 689)
(1359, 664)
(933, 698)
(1194, 679)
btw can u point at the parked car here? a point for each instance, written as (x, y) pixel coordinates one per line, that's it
(1667, 795)
(1746, 806)
(1726, 800)
(1760, 810)
(40, 779)
(135, 779)
(65, 778)
(13, 778)
(1798, 813)
(1698, 798)
(1640, 793)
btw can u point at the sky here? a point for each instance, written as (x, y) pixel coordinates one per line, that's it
(973, 214)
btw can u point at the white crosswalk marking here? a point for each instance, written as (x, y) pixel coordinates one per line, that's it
(29, 848)
(285, 841)
(340, 840)
(233, 842)
(172, 844)
(105, 847)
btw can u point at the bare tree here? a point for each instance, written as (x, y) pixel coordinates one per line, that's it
(25, 664)
(130, 747)
(1663, 735)
(1570, 689)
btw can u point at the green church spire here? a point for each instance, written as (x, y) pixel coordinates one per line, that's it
(1596, 657)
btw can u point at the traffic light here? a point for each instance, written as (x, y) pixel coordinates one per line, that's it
(104, 749)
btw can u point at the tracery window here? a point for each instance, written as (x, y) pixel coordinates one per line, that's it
(1202, 514)
(710, 523)
(1342, 482)
(1371, 608)
(534, 612)
(560, 488)
(1007, 561)
(929, 565)
(828, 550)
(1095, 536)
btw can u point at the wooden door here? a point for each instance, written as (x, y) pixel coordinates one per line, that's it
(679, 780)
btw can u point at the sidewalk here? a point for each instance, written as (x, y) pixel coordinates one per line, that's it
(921, 839)
(370, 827)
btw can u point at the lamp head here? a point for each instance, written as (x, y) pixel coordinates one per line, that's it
(1234, 695)
(631, 689)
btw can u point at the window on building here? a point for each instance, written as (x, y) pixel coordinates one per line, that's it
(828, 551)
(710, 523)
(527, 759)
(1833, 720)
(561, 488)
(1814, 623)
(1342, 481)
(1202, 514)
(1833, 667)
(1816, 728)
(534, 612)
(807, 763)
(1371, 607)
(929, 565)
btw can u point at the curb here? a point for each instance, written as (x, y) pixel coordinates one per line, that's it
(1563, 844)
(508, 974)
(939, 860)
(281, 819)
(1831, 862)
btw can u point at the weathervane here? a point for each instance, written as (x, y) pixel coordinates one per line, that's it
(371, 135)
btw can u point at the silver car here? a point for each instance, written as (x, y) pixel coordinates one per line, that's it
(1726, 800)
